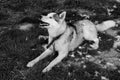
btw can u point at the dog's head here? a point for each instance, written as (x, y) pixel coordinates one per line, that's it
(54, 20)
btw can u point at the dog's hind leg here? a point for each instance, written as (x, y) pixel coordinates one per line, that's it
(59, 58)
(42, 56)
(95, 45)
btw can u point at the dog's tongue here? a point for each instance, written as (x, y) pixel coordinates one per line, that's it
(43, 23)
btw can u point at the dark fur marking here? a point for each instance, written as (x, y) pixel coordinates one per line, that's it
(56, 17)
(73, 26)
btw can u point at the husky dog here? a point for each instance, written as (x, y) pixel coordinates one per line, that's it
(64, 38)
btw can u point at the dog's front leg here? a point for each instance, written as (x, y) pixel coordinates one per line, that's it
(42, 56)
(61, 55)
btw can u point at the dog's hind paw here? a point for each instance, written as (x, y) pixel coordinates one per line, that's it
(31, 64)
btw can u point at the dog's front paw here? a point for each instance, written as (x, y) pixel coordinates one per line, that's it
(46, 69)
(30, 64)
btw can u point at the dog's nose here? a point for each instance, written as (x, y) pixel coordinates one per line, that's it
(40, 16)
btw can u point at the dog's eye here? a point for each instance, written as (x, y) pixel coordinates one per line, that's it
(50, 17)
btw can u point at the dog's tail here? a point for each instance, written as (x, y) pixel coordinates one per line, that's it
(105, 25)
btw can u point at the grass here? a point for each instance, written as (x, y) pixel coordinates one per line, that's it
(18, 47)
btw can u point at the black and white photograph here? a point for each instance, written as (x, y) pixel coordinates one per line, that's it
(59, 39)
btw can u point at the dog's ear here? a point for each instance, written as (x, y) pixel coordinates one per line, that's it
(62, 15)
(56, 17)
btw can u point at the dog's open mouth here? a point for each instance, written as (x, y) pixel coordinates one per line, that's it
(43, 23)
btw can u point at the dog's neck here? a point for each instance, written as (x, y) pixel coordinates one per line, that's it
(56, 32)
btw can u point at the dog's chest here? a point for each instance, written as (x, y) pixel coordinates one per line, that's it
(63, 41)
